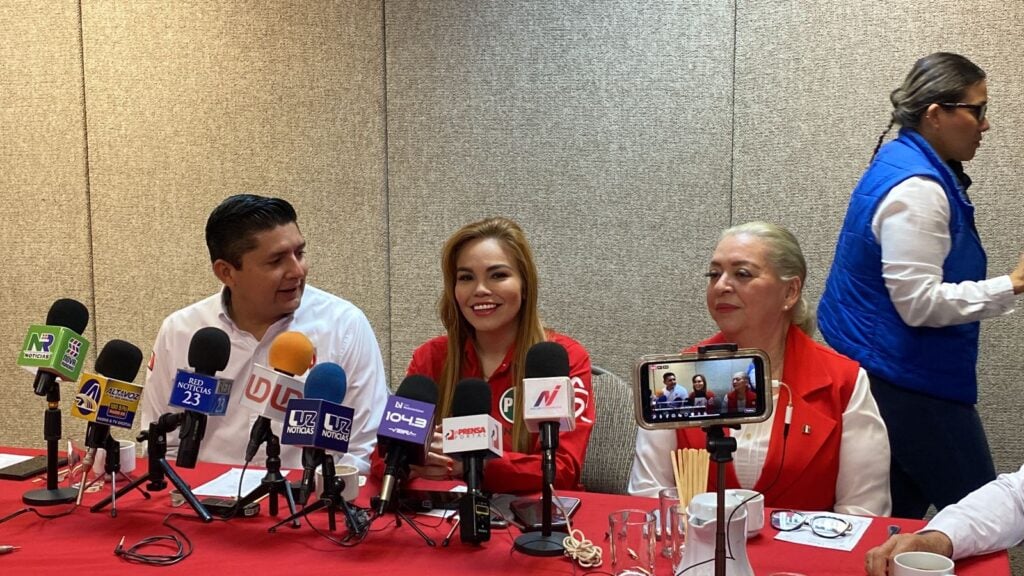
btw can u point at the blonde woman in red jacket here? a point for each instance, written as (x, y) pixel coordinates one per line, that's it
(489, 310)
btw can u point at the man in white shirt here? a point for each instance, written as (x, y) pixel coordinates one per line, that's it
(258, 253)
(990, 518)
(673, 393)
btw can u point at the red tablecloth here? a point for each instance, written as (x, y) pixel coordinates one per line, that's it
(83, 542)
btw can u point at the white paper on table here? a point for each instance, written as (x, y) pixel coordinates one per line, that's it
(226, 484)
(847, 542)
(8, 459)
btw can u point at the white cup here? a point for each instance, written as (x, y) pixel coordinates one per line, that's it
(922, 564)
(348, 474)
(755, 509)
(127, 458)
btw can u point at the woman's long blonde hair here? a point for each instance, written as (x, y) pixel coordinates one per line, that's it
(530, 329)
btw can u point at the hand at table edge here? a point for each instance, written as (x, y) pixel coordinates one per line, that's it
(877, 560)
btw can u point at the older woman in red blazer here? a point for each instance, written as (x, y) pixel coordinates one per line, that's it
(741, 393)
(836, 455)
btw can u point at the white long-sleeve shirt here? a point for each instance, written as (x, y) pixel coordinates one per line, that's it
(339, 331)
(862, 486)
(990, 518)
(912, 226)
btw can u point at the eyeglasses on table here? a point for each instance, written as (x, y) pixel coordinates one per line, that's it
(823, 525)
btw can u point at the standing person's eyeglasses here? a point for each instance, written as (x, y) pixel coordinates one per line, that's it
(977, 109)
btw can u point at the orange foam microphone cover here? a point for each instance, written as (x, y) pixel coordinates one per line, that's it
(291, 353)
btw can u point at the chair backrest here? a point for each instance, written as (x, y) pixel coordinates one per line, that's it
(613, 439)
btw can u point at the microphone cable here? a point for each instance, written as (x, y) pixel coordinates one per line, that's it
(787, 420)
(235, 510)
(357, 518)
(28, 509)
(584, 552)
(183, 546)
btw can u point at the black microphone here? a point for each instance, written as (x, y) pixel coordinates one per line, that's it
(54, 351)
(405, 431)
(119, 360)
(63, 313)
(547, 399)
(472, 435)
(547, 406)
(208, 353)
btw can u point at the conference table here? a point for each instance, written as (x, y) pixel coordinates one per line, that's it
(83, 542)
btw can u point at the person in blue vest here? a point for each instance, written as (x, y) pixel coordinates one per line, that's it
(908, 285)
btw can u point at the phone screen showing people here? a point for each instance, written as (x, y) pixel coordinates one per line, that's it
(688, 390)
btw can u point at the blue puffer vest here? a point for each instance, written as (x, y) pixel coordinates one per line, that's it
(856, 315)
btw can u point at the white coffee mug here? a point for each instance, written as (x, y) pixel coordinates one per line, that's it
(127, 458)
(755, 509)
(348, 474)
(921, 564)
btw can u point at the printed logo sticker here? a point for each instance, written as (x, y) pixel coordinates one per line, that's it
(507, 402)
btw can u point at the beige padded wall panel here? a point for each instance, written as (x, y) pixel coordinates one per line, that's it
(603, 128)
(812, 95)
(190, 102)
(44, 194)
(808, 114)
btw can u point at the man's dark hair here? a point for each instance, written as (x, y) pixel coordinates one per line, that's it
(231, 227)
(666, 375)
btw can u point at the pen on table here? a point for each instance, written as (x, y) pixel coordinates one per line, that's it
(893, 530)
(8, 549)
(448, 538)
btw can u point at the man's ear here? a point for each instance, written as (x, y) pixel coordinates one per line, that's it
(224, 272)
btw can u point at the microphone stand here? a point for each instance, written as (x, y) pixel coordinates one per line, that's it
(546, 542)
(111, 467)
(401, 472)
(356, 520)
(720, 448)
(95, 437)
(52, 494)
(274, 483)
(159, 467)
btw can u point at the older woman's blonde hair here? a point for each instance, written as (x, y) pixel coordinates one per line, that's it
(530, 329)
(786, 259)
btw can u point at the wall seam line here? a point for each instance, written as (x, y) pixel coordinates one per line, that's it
(732, 136)
(387, 191)
(90, 239)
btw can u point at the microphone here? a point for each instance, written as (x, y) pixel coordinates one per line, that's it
(56, 349)
(405, 432)
(547, 406)
(199, 392)
(269, 389)
(108, 398)
(472, 435)
(318, 422)
(547, 399)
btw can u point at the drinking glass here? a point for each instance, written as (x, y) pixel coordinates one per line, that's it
(632, 542)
